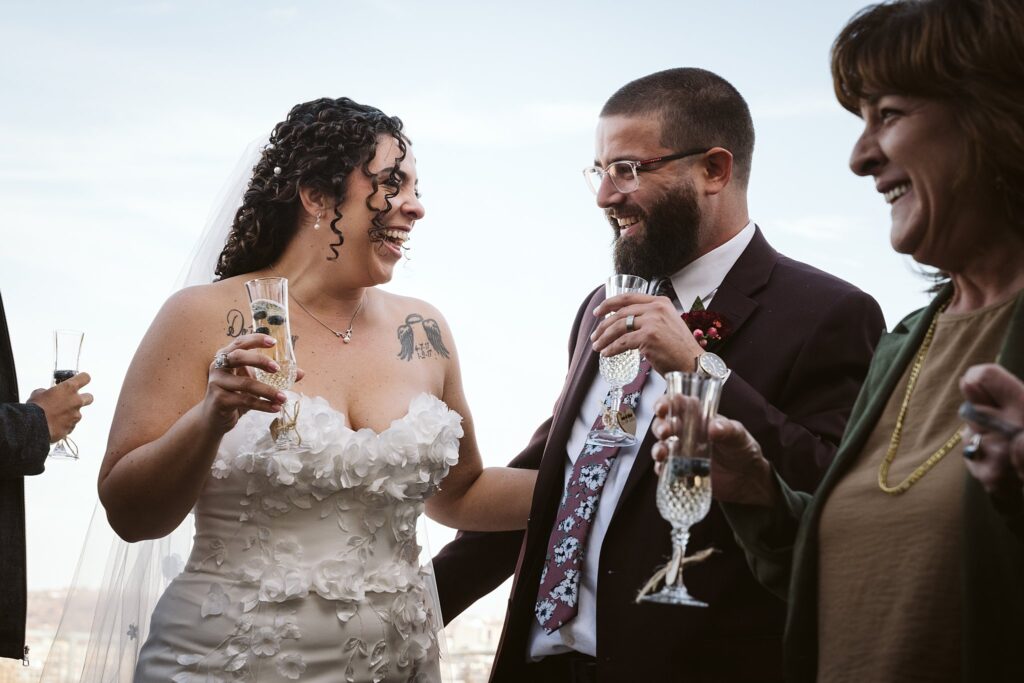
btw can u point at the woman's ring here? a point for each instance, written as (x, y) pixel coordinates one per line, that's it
(630, 319)
(973, 447)
(220, 361)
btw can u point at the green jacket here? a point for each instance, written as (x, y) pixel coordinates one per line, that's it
(782, 543)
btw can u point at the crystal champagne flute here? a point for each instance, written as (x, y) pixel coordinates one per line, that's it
(67, 347)
(268, 299)
(618, 371)
(683, 495)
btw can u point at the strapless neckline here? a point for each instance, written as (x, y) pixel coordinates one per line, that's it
(423, 397)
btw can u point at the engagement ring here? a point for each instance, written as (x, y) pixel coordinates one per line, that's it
(220, 361)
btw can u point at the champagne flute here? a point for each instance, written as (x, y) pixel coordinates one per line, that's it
(683, 495)
(67, 347)
(618, 371)
(268, 299)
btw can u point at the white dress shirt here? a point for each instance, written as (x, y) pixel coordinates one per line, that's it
(700, 278)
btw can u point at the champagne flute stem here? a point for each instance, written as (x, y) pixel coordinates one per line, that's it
(680, 539)
(615, 402)
(283, 440)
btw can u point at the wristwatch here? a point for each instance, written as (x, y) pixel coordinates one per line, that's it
(711, 365)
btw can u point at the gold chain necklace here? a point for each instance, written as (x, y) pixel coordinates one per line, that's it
(345, 336)
(897, 433)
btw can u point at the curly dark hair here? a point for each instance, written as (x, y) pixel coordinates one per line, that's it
(317, 146)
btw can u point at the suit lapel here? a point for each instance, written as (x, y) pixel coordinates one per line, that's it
(734, 301)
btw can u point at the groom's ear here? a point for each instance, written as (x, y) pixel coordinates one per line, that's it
(313, 201)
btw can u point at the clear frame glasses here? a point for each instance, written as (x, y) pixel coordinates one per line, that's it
(625, 175)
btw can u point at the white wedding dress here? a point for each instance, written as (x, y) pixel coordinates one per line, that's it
(306, 564)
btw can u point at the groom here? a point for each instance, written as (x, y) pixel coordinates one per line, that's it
(672, 163)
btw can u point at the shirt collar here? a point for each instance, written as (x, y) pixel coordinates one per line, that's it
(702, 276)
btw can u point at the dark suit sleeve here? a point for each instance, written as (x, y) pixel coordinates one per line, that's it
(24, 439)
(800, 432)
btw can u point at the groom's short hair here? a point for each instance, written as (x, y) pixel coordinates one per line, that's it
(697, 109)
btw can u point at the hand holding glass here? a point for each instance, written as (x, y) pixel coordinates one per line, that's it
(67, 347)
(618, 370)
(684, 488)
(268, 298)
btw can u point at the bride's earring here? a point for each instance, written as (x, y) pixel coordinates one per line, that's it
(316, 226)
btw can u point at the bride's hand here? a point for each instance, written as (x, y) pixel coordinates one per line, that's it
(232, 391)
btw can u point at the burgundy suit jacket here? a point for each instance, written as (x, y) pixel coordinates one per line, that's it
(799, 350)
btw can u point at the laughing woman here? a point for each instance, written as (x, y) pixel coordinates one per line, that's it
(906, 564)
(305, 561)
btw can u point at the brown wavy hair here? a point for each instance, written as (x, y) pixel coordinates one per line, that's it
(317, 146)
(969, 54)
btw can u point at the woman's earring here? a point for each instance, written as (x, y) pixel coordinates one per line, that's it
(316, 226)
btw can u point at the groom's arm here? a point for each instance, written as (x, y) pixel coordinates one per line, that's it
(477, 562)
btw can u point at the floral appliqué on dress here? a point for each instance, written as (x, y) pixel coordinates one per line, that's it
(333, 520)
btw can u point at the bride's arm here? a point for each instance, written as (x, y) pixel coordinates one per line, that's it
(474, 498)
(171, 414)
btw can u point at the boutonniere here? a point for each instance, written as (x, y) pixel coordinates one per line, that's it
(708, 327)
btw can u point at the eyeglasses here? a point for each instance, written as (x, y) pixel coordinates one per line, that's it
(625, 174)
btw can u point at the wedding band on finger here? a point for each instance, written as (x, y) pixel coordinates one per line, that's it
(630, 320)
(973, 447)
(220, 361)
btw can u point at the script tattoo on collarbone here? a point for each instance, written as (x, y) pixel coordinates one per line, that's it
(237, 327)
(412, 347)
(236, 323)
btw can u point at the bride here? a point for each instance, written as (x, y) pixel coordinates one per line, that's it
(305, 560)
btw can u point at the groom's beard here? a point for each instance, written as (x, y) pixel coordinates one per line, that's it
(668, 237)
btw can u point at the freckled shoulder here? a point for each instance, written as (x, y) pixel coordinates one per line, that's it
(211, 315)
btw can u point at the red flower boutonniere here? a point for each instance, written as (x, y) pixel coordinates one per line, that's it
(708, 328)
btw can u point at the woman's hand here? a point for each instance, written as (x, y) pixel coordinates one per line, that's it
(994, 437)
(739, 471)
(231, 389)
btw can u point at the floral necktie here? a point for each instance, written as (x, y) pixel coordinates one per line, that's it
(560, 580)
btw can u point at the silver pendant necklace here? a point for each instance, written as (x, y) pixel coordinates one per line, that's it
(345, 336)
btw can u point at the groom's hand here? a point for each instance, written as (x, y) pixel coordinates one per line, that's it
(657, 330)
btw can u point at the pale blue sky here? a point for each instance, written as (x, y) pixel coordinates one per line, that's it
(121, 121)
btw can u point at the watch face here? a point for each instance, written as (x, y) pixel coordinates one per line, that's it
(713, 365)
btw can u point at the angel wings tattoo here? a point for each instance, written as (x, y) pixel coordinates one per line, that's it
(407, 338)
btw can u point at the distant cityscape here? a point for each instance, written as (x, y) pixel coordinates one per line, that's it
(472, 639)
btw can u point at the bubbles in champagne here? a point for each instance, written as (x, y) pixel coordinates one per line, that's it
(269, 317)
(684, 490)
(282, 379)
(620, 369)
